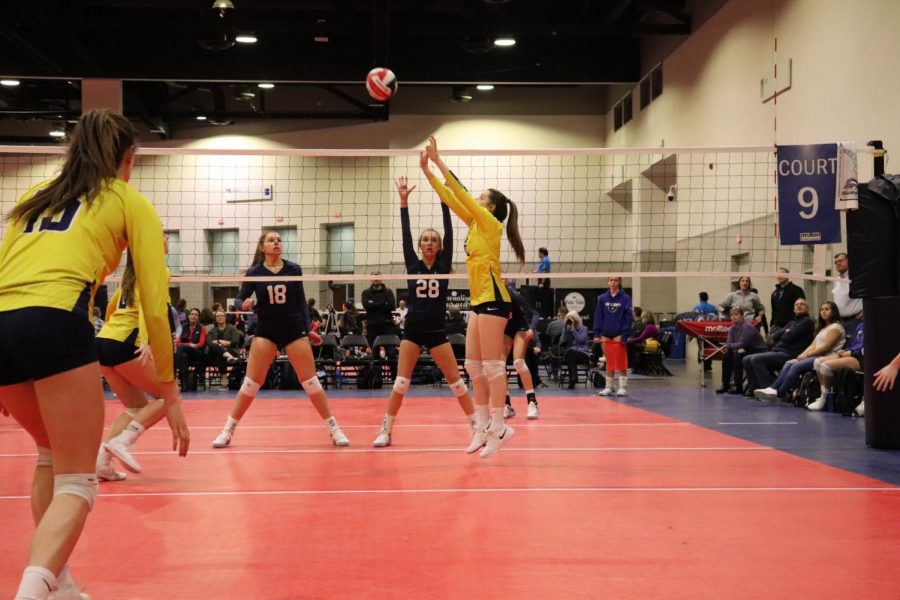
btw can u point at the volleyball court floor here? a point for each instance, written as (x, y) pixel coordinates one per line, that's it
(599, 498)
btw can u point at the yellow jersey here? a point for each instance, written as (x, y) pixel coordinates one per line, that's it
(482, 243)
(57, 261)
(122, 320)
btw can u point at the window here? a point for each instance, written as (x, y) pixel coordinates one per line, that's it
(656, 82)
(645, 92)
(223, 251)
(173, 259)
(617, 116)
(340, 248)
(627, 107)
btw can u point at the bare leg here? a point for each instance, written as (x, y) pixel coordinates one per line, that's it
(47, 409)
(300, 354)
(446, 361)
(409, 354)
(262, 353)
(520, 346)
(490, 339)
(480, 384)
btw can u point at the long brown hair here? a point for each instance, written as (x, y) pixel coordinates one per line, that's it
(835, 316)
(502, 206)
(98, 146)
(129, 278)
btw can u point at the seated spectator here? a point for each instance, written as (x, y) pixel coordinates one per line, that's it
(744, 298)
(743, 340)
(577, 342)
(827, 366)
(787, 342)
(190, 345)
(207, 317)
(555, 327)
(704, 308)
(829, 339)
(637, 325)
(223, 341)
(646, 328)
(348, 322)
(455, 321)
(314, 315)
(783, 298)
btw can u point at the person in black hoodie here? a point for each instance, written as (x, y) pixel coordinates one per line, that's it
(379, 304)
(783, 298)
(788, 342)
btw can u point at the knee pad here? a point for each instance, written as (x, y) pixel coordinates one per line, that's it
(475, 368)
(312, 385)
(249, 387)
(83, 485)
(459, 388)
(520, 366)
(494, 368)
(45, 457)
(401, 385)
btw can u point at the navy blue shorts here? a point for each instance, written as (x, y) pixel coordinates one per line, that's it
(495, 308)
(515, 325)
(113, 353)
(425, 339)
(281, 334)
(39, 342)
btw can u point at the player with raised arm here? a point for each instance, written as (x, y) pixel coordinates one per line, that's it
(490, 301)
(425, 318)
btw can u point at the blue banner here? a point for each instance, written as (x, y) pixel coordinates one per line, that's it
(807, 182)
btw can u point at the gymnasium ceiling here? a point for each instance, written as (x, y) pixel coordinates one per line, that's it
(179, 58)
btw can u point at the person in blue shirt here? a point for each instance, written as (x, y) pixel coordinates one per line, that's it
(612, 323)
(543, 267)
(704, 308)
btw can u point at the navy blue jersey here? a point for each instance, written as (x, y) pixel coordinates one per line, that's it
(427, 297)
(277, 302)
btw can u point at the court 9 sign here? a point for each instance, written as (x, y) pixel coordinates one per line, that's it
(807, 178)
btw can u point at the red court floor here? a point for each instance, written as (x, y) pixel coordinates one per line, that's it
(596, 499)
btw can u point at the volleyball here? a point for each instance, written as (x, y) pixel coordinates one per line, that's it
(381, 83)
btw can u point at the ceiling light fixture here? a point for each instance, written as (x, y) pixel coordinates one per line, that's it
(223, 6)
(505, 42)
(484, 87)
(200, 117)
(58, 133)
(266, 86)
(246, 38)
(9, 82)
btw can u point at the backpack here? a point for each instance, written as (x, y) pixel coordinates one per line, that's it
(808, 389)
(597, 378)
(848, 391)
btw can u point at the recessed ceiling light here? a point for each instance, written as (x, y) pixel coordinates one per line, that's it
(484, 87)
(266, 86)
(505, 42)
(200, 117)
(9, 82)
(246, 38)
(58, 133)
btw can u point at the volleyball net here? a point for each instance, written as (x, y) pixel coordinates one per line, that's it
(672, 222)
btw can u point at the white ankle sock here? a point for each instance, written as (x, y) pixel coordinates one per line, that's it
(473, 420)
(531, 391)
(64, 579)
(623, 381)
(36, 584)
(231, 423)
(332, 423)
(130, 434)
(388, 422)
(481, 416)
(497, 423)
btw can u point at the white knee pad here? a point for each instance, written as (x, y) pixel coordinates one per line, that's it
(312, 385)
(249, 387)
(83, 485)
(401, 385)
(45, 457)
(520, 366)
(475, 368)
(495, 368)
(459, 388)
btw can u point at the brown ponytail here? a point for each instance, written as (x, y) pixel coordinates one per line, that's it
(98, 146)
(512, 232)
(129, 278)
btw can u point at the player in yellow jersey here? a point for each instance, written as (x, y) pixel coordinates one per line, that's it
(128, 368)
(62, 239)
(490, 300)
